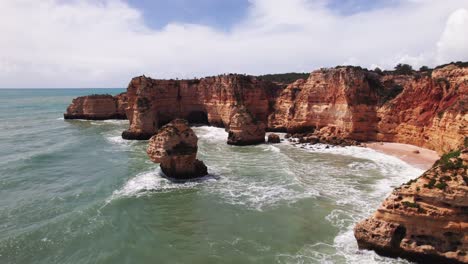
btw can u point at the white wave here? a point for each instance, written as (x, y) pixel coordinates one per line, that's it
(260, 193)
(118, 140)
(357, 198)
(60, 118)
(270, 148)
(150, 182)
(116, 122)
(210, 133)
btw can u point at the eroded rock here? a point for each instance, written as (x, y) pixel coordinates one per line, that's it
(244, 130)
(174, 147)
(425, 219)
(274, 138)
(97, 107)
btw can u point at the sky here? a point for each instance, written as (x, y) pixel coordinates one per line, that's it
(104, 43)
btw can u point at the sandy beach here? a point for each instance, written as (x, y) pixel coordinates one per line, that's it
(419, 157)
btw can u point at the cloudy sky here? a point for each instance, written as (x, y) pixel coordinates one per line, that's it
(103, 43)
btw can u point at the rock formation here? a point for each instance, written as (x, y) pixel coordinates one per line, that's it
(174, 147)
(244, 130)
(97, 107)
(426, 219)
(341, 105)
(426, 109)
(212, 100)
(273, 138)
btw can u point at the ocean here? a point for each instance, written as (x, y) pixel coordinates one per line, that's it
(76, 192)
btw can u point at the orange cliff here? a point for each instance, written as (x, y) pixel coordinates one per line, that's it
(424, 109)
(427, 109)
(213, 100)
(426, 219)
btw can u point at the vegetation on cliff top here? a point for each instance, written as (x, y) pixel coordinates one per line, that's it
(284, 77)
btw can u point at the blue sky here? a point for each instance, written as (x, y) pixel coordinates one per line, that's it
(104, 43)
(223, 14)
(218, 13)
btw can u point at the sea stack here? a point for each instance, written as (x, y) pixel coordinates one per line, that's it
(174, 147)
(244, 130)
(426, 219)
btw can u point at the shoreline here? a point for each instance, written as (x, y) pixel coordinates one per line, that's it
(418, 157)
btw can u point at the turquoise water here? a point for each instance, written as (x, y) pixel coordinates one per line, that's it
(75, 192)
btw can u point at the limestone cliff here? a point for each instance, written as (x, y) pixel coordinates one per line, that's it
(244, 129)
(424, 109)
(428, 109)
(425, 219)
(97, 107)
(211, 100)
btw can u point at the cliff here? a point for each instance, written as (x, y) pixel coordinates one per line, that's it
(342, 104)
(426, 219)
(97, 107)
(153, 103)
(423, 109)
(244, 129)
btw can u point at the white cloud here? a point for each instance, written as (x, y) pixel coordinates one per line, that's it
(84, 43)
(453, 44)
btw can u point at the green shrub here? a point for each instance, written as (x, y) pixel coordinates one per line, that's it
(410, 204)
(424, 69)
(431, 184)
(441, 185)
(404, 69)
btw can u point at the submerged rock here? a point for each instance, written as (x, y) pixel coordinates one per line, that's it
(174, 147)
(273, 138)
(426, 219)
(244, 130)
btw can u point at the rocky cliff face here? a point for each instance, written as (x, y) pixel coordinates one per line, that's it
(423, 109)
(174, 147)
(427, 109)
(212, 100)
(431, 111)
(342, 98)
(425, 219)
(97, 107)
(244, 129)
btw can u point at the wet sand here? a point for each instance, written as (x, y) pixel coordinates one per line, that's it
(416, 156)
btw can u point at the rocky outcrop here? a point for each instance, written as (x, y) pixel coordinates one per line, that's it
(341, 98)
(212, 100)
(244, 129)
(426, 219)
(274, 138)
(174, 147)
(342, 104)
(425, 109)
(97, 107)
(431, 111)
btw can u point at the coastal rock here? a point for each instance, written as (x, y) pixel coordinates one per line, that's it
(431, 111)
(212, 100)
(426, 219)
(97, 107)
(341, 98)
(244, 130)
(427, 109)
(174, 147)
(340, 105)
(273, 138)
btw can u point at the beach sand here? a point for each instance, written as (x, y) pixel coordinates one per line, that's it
(416, 156)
